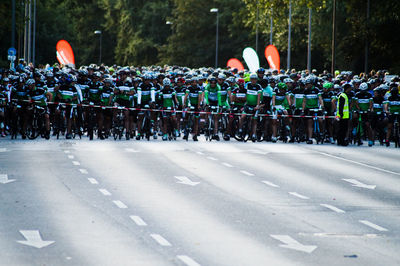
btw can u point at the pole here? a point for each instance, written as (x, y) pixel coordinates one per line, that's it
(101, 34)
(216, 43)
(367, 40)
(13, 24)
(289, 34)
(30, 33)
(309, 41)
(257, 29)
(333, 38)
(34, 33)
(272, 22)
(26, 31)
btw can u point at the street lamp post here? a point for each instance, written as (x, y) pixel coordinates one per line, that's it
(289, 35)
(309, 41)
(215, 10)
(98, 32)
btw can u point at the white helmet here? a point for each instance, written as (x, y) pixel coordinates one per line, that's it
(166, 82)
(363, 86)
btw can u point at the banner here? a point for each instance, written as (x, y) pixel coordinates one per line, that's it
(235, 63)
(251, 58)
(64, 53)
(272, 56)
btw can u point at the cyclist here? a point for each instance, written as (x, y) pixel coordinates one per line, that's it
(225, 96)
(18, 98)
(378, 120)
(297, 96)
(3, 105)
(238, 100)
(38, 96)
(265, 106)
(212, 98)
(253, 99)
(169, 101)
(392, 110)
(312, 97)
(363, 102)
(181, 94)
(193, 98)
(145, 99)
(327, 96)
(280, 105)
(123, 96)
(105, 116)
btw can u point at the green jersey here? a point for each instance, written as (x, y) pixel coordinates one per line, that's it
(312, 96)
(252, 93)
(212, 96)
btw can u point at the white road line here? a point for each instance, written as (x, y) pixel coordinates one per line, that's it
(67, 151)
(333, 208)
(227, 164)
(298, 195)
(187, 260)
(139, 221)
(161, 240)
(375, 226)
(246, 173)
(120, 204)
(212, 158)
(200, 153)
(70, 157)
(84, 171)
(362, 164)
(76, 163)
(269, 183)
(131, 150)
(3, 149)
(93, 181)
(105, 192)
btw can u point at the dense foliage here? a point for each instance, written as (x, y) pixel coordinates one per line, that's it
(135, 32)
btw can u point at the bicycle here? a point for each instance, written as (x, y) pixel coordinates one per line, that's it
(396, 130)
(209, 131)
(119, 123)
(319, 134)
(38, 127)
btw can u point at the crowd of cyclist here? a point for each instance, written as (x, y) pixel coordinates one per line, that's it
(172, 102)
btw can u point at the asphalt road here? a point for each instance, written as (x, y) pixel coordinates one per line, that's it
(207, 203)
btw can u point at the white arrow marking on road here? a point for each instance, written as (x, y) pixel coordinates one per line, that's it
(131, 150)
(70, 157)
(375, 226)
(4, 179)
(246, 173)
(293, 244)
(269, 183)
(357, 183)
(186, 181)
(333, 208)
(187, 260)
(76, 163)
(298, 195)
(83, 171)
(3, 149)
(161, 240)
(200, 153)
(139, 221)
(33, 239)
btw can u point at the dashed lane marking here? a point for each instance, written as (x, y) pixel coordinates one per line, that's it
(76, 163)
(246, 173)
(372, 225)
(139, 221)
(333, 208)
(200, 153)
(269, 183)
(227, 165)
(83, 171)
(66, 151)
(212, 158)
(70, 157)
(93, 181)
(131, 150)
(3, 149)
(187, 260)
(105, 192)
(161, 240)
(298, 195)
(120, 204)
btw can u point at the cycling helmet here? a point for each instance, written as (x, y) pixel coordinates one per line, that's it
(97, 74)
(180, 80)
(212, 79)
(363, 86)
(30, 82)
(328, 85)
(230, 79)
(49, 74)
(240, 81)
(221, 76)
(261, 70)
(166, 82)
(109, 81)
(288, 80)
(282, 86)
(309, 80)
(253, 76)
(73, 78)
